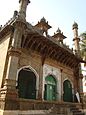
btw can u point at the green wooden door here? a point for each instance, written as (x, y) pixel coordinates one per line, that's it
(50, 88)
(27, 84)
(67, 89)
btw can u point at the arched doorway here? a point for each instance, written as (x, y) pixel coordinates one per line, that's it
(26, 84)
(67, 89)
(50, 88)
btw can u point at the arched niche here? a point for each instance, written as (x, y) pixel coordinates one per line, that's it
(27, 83)
(67, 91)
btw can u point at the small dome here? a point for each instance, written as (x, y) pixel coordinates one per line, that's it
(58, 31)
(43, 20)
(75, 25)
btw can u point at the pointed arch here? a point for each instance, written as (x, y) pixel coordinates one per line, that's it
(27, 82)
(50, 88)
(67, 91)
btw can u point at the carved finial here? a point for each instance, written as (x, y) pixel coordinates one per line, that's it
(0, 27)
(43, 20)
(58, 30)
(15, 14)
(75, 25)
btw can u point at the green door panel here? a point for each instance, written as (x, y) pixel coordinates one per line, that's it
(27, 84)
(67, 89)
(49, 92)
(50, 88)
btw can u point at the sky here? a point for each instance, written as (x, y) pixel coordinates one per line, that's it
(58, 13)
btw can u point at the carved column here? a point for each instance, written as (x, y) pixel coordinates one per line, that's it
(40, 91)
(9, 91)
(61, 85)
(81, 87)
(22, 8)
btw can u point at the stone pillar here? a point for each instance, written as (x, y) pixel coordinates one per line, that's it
(22, 8)
(9, 92)
(19, 30)
(81, 87)
(40, 91)
(61, 85)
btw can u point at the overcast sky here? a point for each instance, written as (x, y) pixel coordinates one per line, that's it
(59, 13)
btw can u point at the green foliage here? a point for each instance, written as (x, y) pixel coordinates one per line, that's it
(83, 45)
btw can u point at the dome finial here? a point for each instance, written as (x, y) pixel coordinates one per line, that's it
(43, 20)
(58, 30)
(75, 25)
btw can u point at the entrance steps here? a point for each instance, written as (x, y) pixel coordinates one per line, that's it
(39, 112)
(37, 107)
(33, 112)
(76, 111)
(53, 111)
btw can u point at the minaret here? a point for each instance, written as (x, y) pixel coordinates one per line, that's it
(23, 8)
(76, 38)
(77, 49)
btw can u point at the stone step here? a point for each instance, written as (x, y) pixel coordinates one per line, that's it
(38, 112)
(78, 113)
(75, 111)
(33, 112)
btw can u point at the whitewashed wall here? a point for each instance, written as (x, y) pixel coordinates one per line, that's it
(50, 70)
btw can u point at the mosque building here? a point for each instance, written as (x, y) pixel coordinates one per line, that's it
(39, 74)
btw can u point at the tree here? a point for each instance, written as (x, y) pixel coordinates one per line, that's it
(83, 46)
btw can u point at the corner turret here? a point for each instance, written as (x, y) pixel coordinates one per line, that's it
(43, 26)
(58, 36)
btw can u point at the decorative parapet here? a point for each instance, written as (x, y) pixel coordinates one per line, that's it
(10, 22)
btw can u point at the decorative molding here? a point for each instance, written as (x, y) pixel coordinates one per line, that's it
(14, 52)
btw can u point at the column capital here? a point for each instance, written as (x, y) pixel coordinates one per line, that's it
(14, 52)
(78, 39)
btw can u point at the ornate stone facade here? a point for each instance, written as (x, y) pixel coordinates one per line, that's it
(37, 72)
